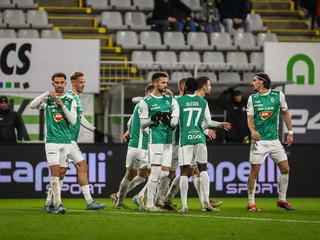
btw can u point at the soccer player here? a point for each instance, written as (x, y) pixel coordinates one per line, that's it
(263, 112)
(189, 112)
(60, 116)
(154, 112)
(137, 165)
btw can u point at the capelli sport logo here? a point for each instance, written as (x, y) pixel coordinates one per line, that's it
(58, 117)
(265, 115)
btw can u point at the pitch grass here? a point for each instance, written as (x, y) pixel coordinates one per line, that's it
(25, 219)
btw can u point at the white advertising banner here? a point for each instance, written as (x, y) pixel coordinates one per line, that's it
(297, 64)
(28, 64)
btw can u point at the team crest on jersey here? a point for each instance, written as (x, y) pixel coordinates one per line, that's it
(272, 99)
(265, 115)
(58, 117)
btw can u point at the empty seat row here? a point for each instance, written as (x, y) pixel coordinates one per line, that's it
(237, 61)
(221, 41)
(121, 5)
(18, 19)
(23, 4)
(30, 33)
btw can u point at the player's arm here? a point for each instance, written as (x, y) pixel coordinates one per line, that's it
(286, 118)
(175, 113)
(72, 114)
(250, 120)
(145, 120)
(38, 101)
(129, 124)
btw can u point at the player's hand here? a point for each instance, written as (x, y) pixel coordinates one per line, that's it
(126, 136)
(226, 126)
(156, 117)
(99, 134)
(165, 117)
(59, 102)
(255, 136)
(289, 140)
(211, 134)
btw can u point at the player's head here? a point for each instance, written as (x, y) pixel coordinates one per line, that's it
(237, 96)
(148, 89)
(160, 81)
(59, 82)
(265, 78)
(191, 85)
(204, 84)
(181, 84)
(78, 81)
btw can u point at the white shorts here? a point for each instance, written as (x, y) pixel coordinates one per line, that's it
(137, 158)
(57, 153)
(193, 154)
(259, 150)
(175, 161)
(74, 157)
(160, 154)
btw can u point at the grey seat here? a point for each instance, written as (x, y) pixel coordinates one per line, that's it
(6, 4)
(257, 59)
(113, 21)
(151, 40)
(222, 41)
(215, 61)
(99, 4)
(136, 21)
(7, 33)
(245, 41)
(175, 41)
(25, 4)
(256, 23)
(128, 40)
(2, 24)
(198, 41)
(51, 34)
(28, 33)
(167, 60)
(38, 19)
(143, 59)
(144, 5)
(15, 19)
(211, 75)
(229, 77)
(193, 4)
(266, 37)
(239, 61)
(122, 5)
(177, 75)
(248, 77)
(190, 60)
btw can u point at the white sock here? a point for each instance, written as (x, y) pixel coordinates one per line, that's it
(283, 186)
(173, 190)
(123, 189)
(205, 184)
(135, 182)
(162, 187)
(55, 188)
(184, 186)
(251, 187)
(143, 191)
(49, 200)
(86, 193)
(61, 184)
(197, 185)
(152, 185)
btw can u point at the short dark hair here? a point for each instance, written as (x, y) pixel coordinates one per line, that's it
(236, 93)
(148, 87)
(75, 75)
(191, 84)
(265, 78)
(202, 80)
(58, 74)
(181, 82)
(158, 75)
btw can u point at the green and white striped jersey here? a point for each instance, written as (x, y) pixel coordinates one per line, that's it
(76, 128)
(265, 109)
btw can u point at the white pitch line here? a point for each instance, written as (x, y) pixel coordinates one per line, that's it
(205, 216)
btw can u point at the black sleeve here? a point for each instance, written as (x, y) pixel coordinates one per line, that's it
(19, 126)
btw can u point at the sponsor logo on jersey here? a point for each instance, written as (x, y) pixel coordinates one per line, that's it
(58, 117)
(265, 115)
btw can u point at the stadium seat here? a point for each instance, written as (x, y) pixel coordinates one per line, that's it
(99, 4)
(211, 75)
(15, 18)
(28, 33)
(222, 41)
(128, 40)
(136, 21)
(175, 41)
(113, 21)
(122, 5)
(25, 4)
(6, 4)
(198, 41)
(167, 60)
(257, 59)
(266, 37)
(239, 61)
(229, 77)
(248, 77)
(256, 23)
(177, 75)
(2, 24)
(193, 4)
(144, 5)
(215, 61)
(143, 59)
(7, 33)
(151, 40)
(190, 60)
(38, 19)
(245, 41)
(51, 34)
